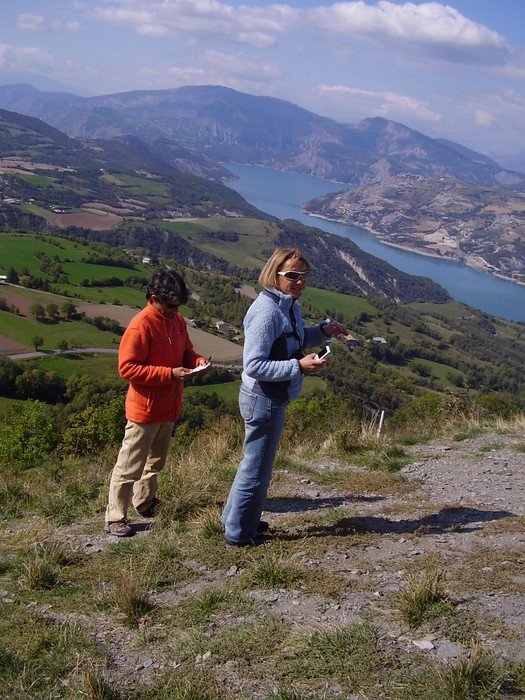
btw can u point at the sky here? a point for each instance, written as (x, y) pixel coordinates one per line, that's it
(454, 71)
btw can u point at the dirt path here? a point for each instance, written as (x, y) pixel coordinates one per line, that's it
(460, 504)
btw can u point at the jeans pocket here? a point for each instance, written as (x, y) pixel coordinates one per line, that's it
(247, 404)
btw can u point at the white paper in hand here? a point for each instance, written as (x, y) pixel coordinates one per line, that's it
(200, 368)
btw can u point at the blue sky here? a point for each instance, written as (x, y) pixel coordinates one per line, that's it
(453, 70)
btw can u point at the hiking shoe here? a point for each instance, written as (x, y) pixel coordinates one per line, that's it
(121, 529)
(152, 510)
(254, 542)
(262, 527)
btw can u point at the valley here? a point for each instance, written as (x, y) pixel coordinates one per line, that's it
(482, 227)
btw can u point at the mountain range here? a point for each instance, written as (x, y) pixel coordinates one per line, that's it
(221, 124)
(124, 192)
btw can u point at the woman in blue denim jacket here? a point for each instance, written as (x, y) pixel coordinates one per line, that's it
(273, 368)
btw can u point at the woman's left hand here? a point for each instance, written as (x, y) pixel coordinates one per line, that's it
(334, 328)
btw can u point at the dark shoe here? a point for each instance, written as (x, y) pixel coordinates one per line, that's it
(152, 510)
(120, 529)
(262, 527)
(254, 542)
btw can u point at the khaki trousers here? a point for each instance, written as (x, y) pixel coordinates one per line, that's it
(141, 457)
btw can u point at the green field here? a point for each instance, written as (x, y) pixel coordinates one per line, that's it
(253, 233)
(79, 271)
(18, 250)
(438, 370)
(97, 366)
(137, 186)
(229, 391)
(126, 296)
(38, 180)
(452, 310)
(78, 334)
(37, 211)
(323, 299)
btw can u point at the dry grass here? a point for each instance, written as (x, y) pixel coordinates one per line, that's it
(424, 595)
(221, 624)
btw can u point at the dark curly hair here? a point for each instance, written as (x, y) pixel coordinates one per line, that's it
(168, 286)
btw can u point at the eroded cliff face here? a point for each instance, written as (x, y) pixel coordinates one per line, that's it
(481, 226)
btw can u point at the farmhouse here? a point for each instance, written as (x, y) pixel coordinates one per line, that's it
(222, 326)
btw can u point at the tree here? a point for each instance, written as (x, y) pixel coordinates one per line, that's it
(69, 309)
(38, 311)
(12, 276)
(37, 383)
(63, 346)
(52, 310)
(37, 342)
(9, 371)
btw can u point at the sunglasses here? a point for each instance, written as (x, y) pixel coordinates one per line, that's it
(292, 276)
(171, 304)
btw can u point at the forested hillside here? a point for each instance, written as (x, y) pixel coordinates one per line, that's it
(124, 195)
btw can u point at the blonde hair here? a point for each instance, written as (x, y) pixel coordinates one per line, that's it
(268, 276)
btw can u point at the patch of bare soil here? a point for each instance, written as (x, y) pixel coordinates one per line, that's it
(11, 347)
(248, 291)
(463, 505)
(94, 219)
(220, 349)
(23, 303)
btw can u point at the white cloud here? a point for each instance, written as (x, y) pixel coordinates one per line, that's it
(37, 23)
(429, 28)
(23, 58)
(483, 117)
(390, 105)
(502, 110)
(255, 26)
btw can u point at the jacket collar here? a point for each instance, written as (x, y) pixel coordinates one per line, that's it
(284, 300)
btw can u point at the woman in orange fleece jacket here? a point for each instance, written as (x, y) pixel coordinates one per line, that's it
(155, 356)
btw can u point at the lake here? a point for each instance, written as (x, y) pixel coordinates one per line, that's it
(281, 194)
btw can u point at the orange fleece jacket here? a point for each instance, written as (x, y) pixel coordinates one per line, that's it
(150, 347)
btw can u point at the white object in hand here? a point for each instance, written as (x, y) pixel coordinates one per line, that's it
(324, 354)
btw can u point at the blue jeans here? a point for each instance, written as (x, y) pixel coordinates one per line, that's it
(263, 424)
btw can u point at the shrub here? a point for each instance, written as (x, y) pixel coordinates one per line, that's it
(28, 434)
(94, 428)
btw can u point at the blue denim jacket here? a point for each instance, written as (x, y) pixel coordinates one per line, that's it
(267, 320)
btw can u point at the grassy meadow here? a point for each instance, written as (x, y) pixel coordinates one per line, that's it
(77, 334)
(363, 563)
(252, 234)
(326, 609)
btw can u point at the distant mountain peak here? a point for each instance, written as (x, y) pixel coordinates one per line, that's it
(226, 124)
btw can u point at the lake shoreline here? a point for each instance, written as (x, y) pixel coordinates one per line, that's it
(417, 251)
(282, 194)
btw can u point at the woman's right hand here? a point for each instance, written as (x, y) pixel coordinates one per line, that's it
(310, 363)
(180, 373)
